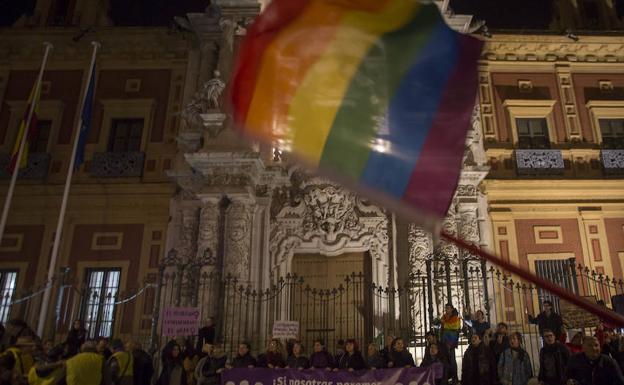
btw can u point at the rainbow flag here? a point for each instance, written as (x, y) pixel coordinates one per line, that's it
(376, 93)
(34, 96)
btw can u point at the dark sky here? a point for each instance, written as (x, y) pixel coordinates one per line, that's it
(499, 14)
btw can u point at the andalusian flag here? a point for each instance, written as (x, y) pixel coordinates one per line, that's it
(376, 93)
(35, 94)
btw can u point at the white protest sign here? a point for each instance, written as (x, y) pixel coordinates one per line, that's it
(286, 329)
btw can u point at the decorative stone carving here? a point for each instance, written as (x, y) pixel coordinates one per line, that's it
(238, 239)
(314, 215)
(467, 190)
(187, 241)
(117, 164)
(420, 246)
(207, 238)
(469, 227)
(206, 100)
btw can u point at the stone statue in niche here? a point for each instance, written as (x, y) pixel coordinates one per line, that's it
(207, 99)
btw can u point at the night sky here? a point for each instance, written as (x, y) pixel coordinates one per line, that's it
(499, 14)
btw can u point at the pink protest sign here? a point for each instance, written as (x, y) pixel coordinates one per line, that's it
(180, 321)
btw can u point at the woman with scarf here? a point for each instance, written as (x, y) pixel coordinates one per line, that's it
(451, 325)
(514, 365)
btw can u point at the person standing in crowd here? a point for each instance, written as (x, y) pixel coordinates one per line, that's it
(352, 358)
(385, 352)
(243, 358)
(273, 357)
(18, 360)
(14, 329)
(297, 360)
(547, 319)
(451, 326)
(374, 358)
(478, 366)
(554, 357)
(479, 324)
(87, 367)
(208, 369)
(172, 372)
(103, 349)
(206, 335)
(576, 343)
(514, 365)
(76, 337)
(320, 358)
(433, 356)
(48, 369)
(399, 356)
(500, 341)
(593, 368)
(143, 368)
(121, 364)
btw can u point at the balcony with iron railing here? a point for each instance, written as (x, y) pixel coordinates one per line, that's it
(539, 162)
(117, 164)
(612, 161)
(37, 166)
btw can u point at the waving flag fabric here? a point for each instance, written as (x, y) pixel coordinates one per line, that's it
(376, 92)
(32, 132)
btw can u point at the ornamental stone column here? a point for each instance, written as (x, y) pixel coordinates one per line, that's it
(239, 222)
(208, 276)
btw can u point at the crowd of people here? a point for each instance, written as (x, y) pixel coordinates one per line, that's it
(493, 357)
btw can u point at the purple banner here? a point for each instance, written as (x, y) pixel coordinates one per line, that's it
(263, 376)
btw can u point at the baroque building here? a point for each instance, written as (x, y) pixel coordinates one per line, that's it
(171, 208)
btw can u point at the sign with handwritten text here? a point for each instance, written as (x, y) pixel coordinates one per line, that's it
(180, 321)
(286, 329)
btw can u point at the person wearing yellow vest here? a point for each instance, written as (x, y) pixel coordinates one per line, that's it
(121, 364)
(21, 355)
(49, 369)
(87, 367)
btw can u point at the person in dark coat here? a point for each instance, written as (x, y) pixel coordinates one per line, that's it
(547, 319)
(297, 360)
(500, 341)
(208, 369)
(173, 368)
(320, 358)
(399, 356)
(374, 358)
(273, 358)
(75, 338)
(352, 358)
(243, 358)
(478, 366)
(103, 348)
(593, 368)
(206, 335)
(434, 356)
(143, 367)
(432, 338)
(385, 351)
(554, 357)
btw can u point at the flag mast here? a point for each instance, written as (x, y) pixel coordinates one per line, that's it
(61, 219)
(24, 139)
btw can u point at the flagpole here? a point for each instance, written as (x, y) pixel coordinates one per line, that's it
(45, 303)
(22, 145)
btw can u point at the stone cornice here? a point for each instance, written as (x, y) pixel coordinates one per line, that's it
(554, 48)
(117, 43)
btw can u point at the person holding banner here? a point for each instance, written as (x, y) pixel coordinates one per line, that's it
(273, 358)
(321, 359)
(435, 356)
(209, 368)
(352, 358)
(399, 356)
(243, 358)
(374, 358)
(297, 360)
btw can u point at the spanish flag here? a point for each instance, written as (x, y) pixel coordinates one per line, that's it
(31, 132)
